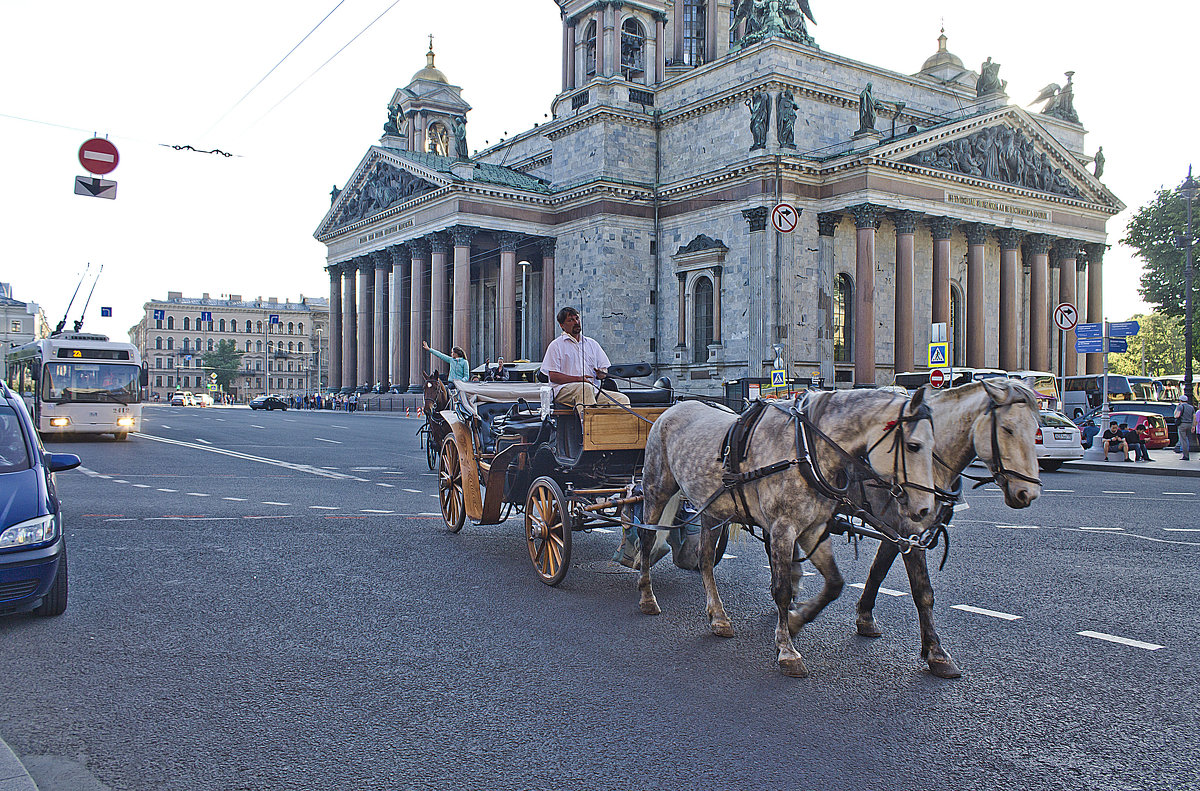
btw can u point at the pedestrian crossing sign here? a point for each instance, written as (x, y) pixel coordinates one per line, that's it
(937, 354)
(778, 377)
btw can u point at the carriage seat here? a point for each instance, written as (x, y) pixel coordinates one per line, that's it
(506, 418)
(658, 393)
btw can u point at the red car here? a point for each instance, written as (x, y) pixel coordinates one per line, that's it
(1152, 427)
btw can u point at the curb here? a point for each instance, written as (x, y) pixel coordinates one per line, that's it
(1140, 469)
(13, 776)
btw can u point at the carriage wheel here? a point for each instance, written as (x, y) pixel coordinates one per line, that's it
(450, 487)
(548, 531)
(431, 450)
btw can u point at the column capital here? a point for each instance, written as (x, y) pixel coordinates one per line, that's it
(401, 254)
(1039, 243)
(905, 221)
(866, 215)
(757, 217)
(438, 242)
(1094, 251)
(334, 270)
(365, 264)
(682, 277)
(1065, 248)
(349, 267)
(548, 245)
(461, 235)
(717, 270)
(942, 227)
(827, 222)
(1010, 238)
(382, 259)
(419, 248)
(976, 233)
(508, 241)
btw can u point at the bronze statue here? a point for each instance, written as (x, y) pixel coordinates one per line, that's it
(760, 116)
(989, 79)
(868, 110)
(785, 120)
(766, 18)
(333, 194)
(1060, 102)
(392, 126)
(460, 137)
(1099, 161)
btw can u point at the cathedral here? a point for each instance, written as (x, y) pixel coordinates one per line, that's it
(719, 196)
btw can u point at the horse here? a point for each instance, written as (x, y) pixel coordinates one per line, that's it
(786, 491)
(994, 419)
(437, 396)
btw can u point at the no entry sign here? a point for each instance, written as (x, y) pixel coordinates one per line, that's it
(98, 156)
(937, 378)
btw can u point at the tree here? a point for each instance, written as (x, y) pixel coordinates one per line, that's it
(224, 361)
(1152, 234)
(1163, 339)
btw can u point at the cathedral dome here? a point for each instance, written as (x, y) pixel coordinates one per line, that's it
(429, 73)
(939, 59)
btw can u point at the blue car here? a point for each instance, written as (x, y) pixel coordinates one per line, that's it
(33, 551)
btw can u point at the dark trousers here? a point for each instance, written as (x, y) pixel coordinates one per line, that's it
(1140, 451)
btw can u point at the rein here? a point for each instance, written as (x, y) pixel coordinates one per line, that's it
(1000, 473)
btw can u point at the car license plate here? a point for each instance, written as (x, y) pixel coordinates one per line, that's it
(1062, 435)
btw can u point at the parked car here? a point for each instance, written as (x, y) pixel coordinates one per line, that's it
(178, 399)
(269, 402)
(1057, 440)
(1164, 409)
(203, 399)
(33, 549)
(1152, 427)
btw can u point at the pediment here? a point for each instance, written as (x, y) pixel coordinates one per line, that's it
(1007, 147)
(381, 181)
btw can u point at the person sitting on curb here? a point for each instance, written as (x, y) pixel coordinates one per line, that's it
(1113, 440)
(1137, 443)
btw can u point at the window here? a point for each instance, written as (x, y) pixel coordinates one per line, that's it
(210, 344)
(702, 310)
(198, 345)
(186, 323)
(300, 328)
(695, 29)
(248, 344)
(170, 322)
(222, 325)
(158, 381)
(14, 325)
(170, 343)
(843, 318)
(300, 347)
(956, 324)
(158, 342)
(258, 346)
(186, 341)
(158, 324)
(633, 57)
(260, 326)
(170, 381)
(291, 347)
(589, 50)
(291, 328)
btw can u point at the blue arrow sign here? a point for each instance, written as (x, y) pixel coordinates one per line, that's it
(205, 315)
(160, 315)
(1117, 345)
(1121, 329)
(1089, 331)
(1089, 345)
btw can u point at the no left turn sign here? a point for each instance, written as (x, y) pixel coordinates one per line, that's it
(784, 217)
(1065, 316)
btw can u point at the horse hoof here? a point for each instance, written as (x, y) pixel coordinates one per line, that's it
(724, 629)
(866, 627)
(650, 607)
(944, 668)
(793, 667)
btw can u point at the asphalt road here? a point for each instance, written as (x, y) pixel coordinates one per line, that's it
(269, 601)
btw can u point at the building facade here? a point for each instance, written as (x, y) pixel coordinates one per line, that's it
(715, 193)
(283, 344)
(22, 322)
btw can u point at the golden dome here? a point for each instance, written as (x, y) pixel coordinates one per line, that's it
(429, 73)
(942, 57)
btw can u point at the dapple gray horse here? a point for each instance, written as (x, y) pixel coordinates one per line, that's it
(684, 452)
(994, 419)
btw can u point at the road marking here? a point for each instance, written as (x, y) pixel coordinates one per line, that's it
(125, 519)
(386, 485)
(261, 459)
(861, 586)
(433, 495)
(141, 486)
(269, 502)
(197, 494)
(373, 511)
(335, 425)
(324, 507)
(980, 611)
(105, 477)
(1103, 529)
(367, 469)
(235, 499)
(1186, 494)
(331, 441)
(414, 491)
(1122, 640)
(168, 490)
(1105, 491)
(254, 426)
(220, 420)
(601, 530)
(424, 514)
(1182, 529)
(1060, 491)
(1020, 527)
(282, 516)
(729, 557)
(164, 425)
(206, 442)
(118, 480)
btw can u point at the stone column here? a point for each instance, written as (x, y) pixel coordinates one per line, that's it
(568, 53)
(335, 326)
(349, 326)
(660, 60)
(1064, 258)
(1095, 298)
(400, 325)
(1039, 302)
(439, 298)
(382, 261)
(550, 327)
(419, 319)
(601, 42)
(366, 275)
(826, 227)
(461, 329)
(508, 294)
(865, 215)
(1010, 273)
(756, 343)
(906, 229)
(717, 274)
(973, 334)
(681, 343)
(941, 228)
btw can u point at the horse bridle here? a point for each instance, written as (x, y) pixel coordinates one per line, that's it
(898, 489)
(1000, 473)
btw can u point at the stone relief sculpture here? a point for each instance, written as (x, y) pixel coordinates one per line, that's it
(785, 120)
(989, 79)
(1060, 102)
(383, 186)
(766, 18)
(460, 137)
(395, 121)
(868, 110)
(760, 114)
(999, 153)
(1099, 161)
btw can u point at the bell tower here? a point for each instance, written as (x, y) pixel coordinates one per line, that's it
(422, 116)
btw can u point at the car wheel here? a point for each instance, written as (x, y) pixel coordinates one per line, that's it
(55, 601)
(121, 436)
(1050, 466)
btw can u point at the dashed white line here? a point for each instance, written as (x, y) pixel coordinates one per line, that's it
(427, 514)
(433, 495)
(1019, 527)
(105, 477)
(164, 425)
(1122, 640)
(118, 480)
(324, 507)
(197, 494)
(606, 530)
(386, 485)
(1103, 529)
(373, 511)
(990, 613)
(414, 491)
(235, 499)
(168, 490)
(331, 441)
(269, 502)
(141, 486)
(1060, 491)
(1185, 494)
(887, 591)
(206, 442)
(1181, 529)
(254, 426)
(1105, 491)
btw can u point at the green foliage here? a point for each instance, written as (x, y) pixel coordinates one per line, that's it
(224, 361)
(1162, 336)
(1152, 233)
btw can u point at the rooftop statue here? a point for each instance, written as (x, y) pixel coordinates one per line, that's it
(460, 137)
(760, 118)
(1099, 161)
(766, 18)
(868, 110)
(1060, 102)
(989, 79)
(394, 121)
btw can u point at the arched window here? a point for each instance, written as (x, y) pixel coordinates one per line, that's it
(291, 347)
(702, 310)
(222, 325)
(248, 345)
(186, 344)
(300, 347)
(438, 143)
(291, 328)
(186, 323)
(210, 344)
(258, 346)
(300, 328)
(633, 57)
(170, 322)
(695, 31)
(843, 318)
(170, 343)
(589, 50)
(198, 345)
(270, 347)
(956, 323)
(259, 325)
(158, 342)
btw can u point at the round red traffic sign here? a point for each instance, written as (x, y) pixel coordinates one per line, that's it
(1065, 316)
(99, 156)
(937, 378)
(784, 217)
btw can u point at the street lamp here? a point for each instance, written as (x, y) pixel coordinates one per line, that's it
(318, 388)
(524, 310)
(1188, 190)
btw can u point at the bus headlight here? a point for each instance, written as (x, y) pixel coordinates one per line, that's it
(124, 421)
(34, 531)
(60, 421)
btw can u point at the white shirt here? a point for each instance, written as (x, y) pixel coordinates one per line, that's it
(566, 355)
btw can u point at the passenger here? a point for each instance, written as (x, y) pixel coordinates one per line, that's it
(575, 365)
(499, 373)
(460, 370)
(1113, 440)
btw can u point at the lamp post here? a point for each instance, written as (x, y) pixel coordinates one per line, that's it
(1189, 190)
(524, 309)
(318, 388)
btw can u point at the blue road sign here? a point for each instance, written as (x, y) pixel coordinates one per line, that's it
(274, 318)
(1089, 330)
(1121, 329)
(206, 315)
(1089, 345)
(1118, 345)
(105, 312)
(778, 377)
(159, 315)
(937, 355)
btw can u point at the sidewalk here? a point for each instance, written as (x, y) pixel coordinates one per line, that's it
(1165, 462)
(13, 776)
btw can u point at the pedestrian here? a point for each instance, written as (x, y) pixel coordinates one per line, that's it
(1136, 442)
(460, 369)
(1185, 415)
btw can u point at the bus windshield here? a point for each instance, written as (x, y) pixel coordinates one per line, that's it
(65, 382)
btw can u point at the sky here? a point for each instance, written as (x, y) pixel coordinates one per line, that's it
(150, 74)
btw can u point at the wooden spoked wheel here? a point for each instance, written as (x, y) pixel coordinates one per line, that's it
(450, 486)
(548, 531)
(431, 449)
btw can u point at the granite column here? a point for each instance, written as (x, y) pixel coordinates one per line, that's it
(975, 331)
(865, 215)
(1039, 302)
(508, 294)
(906, 228)
(1010, 273)
(335, 326)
